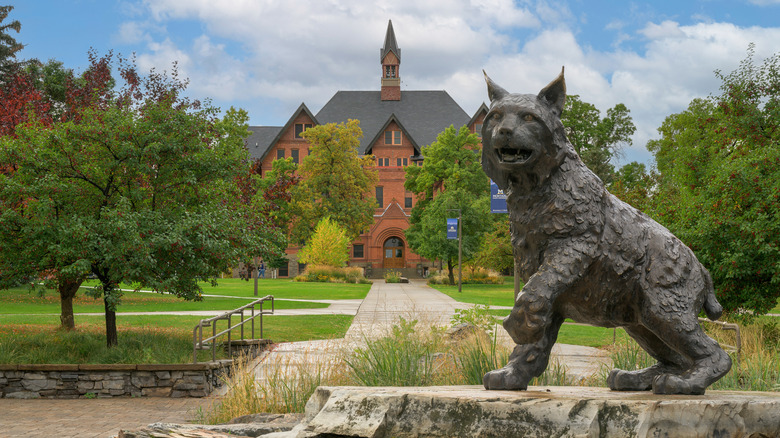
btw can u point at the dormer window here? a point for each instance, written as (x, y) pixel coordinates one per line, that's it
(300, 128)
(393, 138)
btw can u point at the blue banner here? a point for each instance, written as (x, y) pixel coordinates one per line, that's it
(452, 228)
(497, 199)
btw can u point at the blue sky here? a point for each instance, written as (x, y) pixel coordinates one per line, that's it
(268, 56)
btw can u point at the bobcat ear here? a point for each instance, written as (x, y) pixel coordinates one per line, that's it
(495, 92)
(555, 94)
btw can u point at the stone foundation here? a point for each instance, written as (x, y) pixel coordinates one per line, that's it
(539, 412)
(114, 380)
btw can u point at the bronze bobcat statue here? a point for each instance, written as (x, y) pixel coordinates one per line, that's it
(586, 255)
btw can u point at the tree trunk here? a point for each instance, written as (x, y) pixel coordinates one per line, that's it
(111, 337)
(452, 274)
(67, 289)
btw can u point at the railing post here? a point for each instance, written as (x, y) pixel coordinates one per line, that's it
(213, 341)
(253, 319)
(242, 324)
(195, 344)
(230, 346)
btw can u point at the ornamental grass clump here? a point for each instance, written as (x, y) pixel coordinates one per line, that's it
(405, 357)
(275, 383)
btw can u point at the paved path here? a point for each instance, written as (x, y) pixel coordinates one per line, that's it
(98, 418)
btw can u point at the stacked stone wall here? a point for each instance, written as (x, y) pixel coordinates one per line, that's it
(113, 380)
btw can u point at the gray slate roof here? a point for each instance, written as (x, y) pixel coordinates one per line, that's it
(261, 139)
(422, 114)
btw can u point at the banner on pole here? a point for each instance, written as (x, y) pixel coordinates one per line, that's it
(497, 199)
(452, 228)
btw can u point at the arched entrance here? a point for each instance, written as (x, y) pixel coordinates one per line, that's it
(393, 251)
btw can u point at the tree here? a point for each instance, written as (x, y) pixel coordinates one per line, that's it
(450, 178)
(8, 44)
(597, 139)
(719, 183)
(335, 182)
(44, 94)
(635, 185)
(495, 251)
(328, 245)
(141, 187)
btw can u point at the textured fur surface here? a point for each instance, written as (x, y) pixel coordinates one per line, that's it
(586, 255)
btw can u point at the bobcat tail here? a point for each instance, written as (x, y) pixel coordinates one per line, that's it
(712, 307)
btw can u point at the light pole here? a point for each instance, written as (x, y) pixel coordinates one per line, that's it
(460, 249)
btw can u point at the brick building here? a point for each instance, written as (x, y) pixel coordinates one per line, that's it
(396, 124)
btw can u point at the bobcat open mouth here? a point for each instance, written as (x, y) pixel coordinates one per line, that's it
(511, 155)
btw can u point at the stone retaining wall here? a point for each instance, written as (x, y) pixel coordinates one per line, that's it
(116, 380)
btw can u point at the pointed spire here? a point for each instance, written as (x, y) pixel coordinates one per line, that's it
(390, 44)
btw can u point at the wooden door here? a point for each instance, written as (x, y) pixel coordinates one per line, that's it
(393, 251)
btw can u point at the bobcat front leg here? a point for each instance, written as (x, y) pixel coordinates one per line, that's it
(531, 314)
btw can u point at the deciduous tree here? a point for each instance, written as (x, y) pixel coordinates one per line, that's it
(335, 182)
(597, 139)
(719, 184)
(451, 178)
(328, 245)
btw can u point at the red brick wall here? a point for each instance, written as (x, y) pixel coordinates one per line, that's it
(288, 142)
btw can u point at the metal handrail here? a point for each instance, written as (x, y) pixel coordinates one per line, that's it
(198, 341)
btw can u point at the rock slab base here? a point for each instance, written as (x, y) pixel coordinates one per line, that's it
(471, 411)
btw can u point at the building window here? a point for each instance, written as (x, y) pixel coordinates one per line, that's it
(300, 128)
(387, 162)
(357, 251)
(301, 268)
(294, 155)
(279, 154)
(379, 162)
(401, 162)
(284, 271)
(478, 129)
(380, 197)
(408, 202)
(393, 138)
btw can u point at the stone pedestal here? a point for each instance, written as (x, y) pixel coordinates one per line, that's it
(539, 412)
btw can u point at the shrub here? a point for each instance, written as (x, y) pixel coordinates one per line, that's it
(480, 275)
(393, 276)
(474, 275)
(331, 274)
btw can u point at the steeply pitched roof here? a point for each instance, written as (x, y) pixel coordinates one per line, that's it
(483, 109)
(423, 114)
(263, 137)
(390, 44)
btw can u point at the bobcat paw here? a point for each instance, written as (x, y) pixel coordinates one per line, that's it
(506, 378)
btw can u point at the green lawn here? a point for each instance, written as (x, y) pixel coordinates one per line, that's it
(279, 288)
(276, 328)
(489, 294)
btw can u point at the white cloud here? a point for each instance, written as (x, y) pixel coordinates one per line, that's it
(303, 51)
